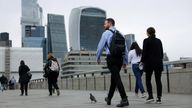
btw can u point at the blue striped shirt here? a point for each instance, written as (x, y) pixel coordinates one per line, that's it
(106, 38)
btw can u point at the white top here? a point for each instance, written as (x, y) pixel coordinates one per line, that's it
(133, 58)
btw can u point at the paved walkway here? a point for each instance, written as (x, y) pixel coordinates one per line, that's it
(80, 99)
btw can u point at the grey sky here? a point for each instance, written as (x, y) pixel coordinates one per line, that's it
(171, 18)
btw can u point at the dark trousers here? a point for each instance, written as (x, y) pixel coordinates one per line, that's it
(52, 82)
(24, 87)
(157, 80)
(114, 65)
(138, 75)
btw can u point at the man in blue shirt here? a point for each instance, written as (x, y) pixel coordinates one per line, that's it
(114, 64)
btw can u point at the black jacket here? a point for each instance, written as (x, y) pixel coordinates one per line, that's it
(3, 80)
(23, 76)
(152, 55)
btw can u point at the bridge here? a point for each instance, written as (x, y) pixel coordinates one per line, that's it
(75, 89)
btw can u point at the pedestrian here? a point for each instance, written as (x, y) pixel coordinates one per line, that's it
(114, 43)
(134, 57)
(52, 69)
(12, 83)
(24, 78)
(4, 82)
(152, 58)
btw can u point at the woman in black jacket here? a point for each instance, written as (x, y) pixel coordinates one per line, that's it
(51, 73)
(152, 58)
(23, 77)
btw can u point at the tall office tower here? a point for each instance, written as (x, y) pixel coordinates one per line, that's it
(31, 22)
(56, 36)
(33, 33)
(86, 27)
(129, 38)
(4, 40)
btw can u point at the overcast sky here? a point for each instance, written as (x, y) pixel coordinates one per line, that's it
(171, 18)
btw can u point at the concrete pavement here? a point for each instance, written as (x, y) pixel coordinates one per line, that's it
(80, 99)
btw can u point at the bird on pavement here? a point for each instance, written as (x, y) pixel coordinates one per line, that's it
(92, 98)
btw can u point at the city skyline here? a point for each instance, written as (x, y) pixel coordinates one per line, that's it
(172, 19)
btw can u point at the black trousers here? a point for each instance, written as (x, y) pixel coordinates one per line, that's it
(52, 82)
(114, 65)
(157, 80)
(24, 87)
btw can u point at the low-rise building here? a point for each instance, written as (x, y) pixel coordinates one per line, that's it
(10, 60)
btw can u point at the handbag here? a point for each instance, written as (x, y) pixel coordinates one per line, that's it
(29, 75)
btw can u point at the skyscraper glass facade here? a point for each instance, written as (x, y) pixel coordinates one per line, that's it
(86, 28)
(33, 33)
(91, 28)
(56, 36)
(129, 38)
(34, 36)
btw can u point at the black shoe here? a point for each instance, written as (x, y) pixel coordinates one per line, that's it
(108, 101)
(123, 103)
(50, 94)
(58, 92)
(158, 101)
(21, 94)
(149, 100)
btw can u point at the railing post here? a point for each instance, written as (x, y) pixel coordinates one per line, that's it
(94, 83)
(104, 83)
(168, 83)
(78, 82)
(66, 83)
(85, 81)
(72, 81)
(130, 81)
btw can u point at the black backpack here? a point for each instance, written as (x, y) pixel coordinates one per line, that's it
(117, 45)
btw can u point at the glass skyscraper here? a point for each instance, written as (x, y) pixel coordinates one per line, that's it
(86, 28)
(33, 33)
(56, 36)
(34, 36)
(31, 22)
(129, 38)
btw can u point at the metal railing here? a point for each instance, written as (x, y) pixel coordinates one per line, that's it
(93, 73)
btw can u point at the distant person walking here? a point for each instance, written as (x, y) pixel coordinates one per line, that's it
(134, 57)
(114, 43)
(52, 69)
(4, 82)
(152, 58)
(24, 77)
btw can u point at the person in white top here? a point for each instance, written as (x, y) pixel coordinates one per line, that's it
(134, 58)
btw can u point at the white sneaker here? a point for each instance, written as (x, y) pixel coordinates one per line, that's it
(136, 95)
(143, 95)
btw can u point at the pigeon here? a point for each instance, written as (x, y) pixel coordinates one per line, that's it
(92, 98)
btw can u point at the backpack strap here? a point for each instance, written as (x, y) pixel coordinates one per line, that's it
(112, 31)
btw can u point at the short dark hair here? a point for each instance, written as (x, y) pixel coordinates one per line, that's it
(111, 20)
(151, 31)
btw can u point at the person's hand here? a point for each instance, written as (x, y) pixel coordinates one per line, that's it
(124, 66)
(99, 61)
(141, 65)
